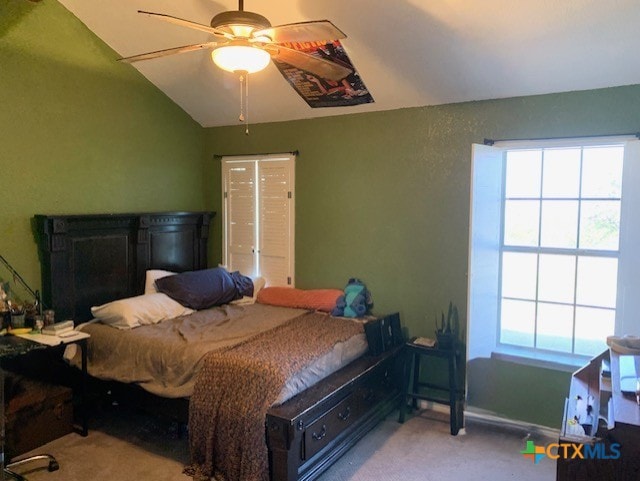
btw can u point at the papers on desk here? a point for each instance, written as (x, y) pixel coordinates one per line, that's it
(54, 340)
(629, 374)
(424, 341)
(625, 404)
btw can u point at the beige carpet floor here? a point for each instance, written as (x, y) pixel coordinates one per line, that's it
(125, 446)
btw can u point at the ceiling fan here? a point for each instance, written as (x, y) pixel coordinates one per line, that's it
(245, 42)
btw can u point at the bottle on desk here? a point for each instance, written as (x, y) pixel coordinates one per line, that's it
(49, 317)
(38, 324)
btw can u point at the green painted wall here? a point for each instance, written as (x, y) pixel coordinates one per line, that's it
(80, 132)
(385, 197)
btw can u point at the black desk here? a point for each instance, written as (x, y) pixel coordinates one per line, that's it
(412, 384)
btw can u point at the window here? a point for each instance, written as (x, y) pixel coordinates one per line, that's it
(258, 216)
(551, 249)
(559, 253)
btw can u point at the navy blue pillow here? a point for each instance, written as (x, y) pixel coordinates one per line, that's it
(244, 284)
(200, 289)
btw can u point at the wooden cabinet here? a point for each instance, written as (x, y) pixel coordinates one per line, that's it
(607, 435)
(36, 414)
(311, 430)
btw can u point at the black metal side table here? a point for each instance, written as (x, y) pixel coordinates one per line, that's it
(412, 385)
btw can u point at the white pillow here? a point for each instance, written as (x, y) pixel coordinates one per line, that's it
(258, 283)
(152, 276)
(140, 310)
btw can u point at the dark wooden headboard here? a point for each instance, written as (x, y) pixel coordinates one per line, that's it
(88, 260)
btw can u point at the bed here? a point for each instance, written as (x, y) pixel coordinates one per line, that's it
(322, 410)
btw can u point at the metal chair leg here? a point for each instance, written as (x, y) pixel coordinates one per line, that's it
(9, 475)
(52, 465)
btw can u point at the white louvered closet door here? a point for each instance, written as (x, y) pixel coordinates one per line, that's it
(275, 221)
(259, 216)
(240, 216)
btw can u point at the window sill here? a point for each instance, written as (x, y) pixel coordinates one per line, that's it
(544, 359)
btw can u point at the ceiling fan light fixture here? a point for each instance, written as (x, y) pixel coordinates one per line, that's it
(240, 58)
(234, 18)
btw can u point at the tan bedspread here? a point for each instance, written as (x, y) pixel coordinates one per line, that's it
(236, 387)
(164, 358)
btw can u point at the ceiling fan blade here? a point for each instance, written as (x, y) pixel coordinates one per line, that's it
(189, 24)
(317, 66)
(315, 31)
(170, 51)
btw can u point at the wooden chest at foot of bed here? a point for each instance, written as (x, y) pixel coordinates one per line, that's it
(36, 413)
(306, 434)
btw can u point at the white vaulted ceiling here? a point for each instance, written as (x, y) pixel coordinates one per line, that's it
(408, 52)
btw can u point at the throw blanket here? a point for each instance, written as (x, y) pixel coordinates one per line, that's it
(237, 386)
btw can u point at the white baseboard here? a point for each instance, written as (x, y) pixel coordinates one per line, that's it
(495, 420)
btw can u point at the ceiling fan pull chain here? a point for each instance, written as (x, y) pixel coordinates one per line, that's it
(241, 117)
(246, 102)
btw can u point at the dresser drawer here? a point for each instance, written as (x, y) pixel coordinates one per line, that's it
(367, 393)
(307, 433)
(326, 428)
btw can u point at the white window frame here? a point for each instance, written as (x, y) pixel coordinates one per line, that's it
(257, 160)
(485, 241)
